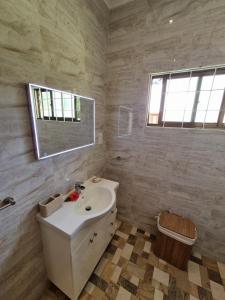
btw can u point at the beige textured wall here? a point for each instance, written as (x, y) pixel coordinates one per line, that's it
(60, 44)
(178, 169)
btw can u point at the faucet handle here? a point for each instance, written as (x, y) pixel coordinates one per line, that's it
(79, 186)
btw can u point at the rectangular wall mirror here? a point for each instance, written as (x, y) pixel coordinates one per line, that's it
(61, 121)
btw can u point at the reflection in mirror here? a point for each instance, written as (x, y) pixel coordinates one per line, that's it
(61, 121)
(125, 121)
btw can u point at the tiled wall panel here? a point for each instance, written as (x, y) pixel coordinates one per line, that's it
(60, 44)
(163, 168)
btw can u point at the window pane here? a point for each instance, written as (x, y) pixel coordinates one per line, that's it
(214, 106)
(178, 105)
(57, 103)
(38, 103)
(207, 82)
(219, 82)
(46, 101)
(67, 106)
(155, 99)
(213, 101)
(181, 84)
(187, 115)
(77, 108)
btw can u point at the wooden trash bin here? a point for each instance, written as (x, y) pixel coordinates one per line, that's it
(174, 239)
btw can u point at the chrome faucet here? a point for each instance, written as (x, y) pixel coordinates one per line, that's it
(79, 187)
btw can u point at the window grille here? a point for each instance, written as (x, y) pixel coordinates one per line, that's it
(56, 106)
(188, 98)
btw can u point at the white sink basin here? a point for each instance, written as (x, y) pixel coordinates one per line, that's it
(95, 201)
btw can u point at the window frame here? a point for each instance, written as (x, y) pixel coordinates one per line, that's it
(195, 72)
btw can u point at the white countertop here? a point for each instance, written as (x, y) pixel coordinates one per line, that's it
(67, 221)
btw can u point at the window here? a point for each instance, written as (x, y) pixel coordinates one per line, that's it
(55, 105)
(193, 98)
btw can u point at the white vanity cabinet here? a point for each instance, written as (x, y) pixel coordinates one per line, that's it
(71, 261)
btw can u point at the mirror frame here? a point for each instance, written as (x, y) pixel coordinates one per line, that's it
(34, 123)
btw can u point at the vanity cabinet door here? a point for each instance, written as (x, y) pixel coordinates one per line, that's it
(107, 230)
(85, 259)
(86, 256)
(112, 222)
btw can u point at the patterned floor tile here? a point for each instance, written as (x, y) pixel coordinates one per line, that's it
(140, 231)
(99, 282)
(158, 285)
(210, 264)
(89, 288)
(100, 267)
(161, 276)
(158, 295)
(145, 291)
(128, 285)
(116, 274)
(123, 294)
(123, 262)
(193, 298)
(176, 293)
(139, 246)
(125, 228)
(204, 294)
(136, 270)
(196, 259)
(135, 280)
(204, 277)
(119, 243)
(116, 256)
(112, 291)
(218, 291)
(133, 230)
(127, 251)
(108, 271)
(197, 254)
(134, 258)
(129, 270)
(132, 239)
(147, 247)
(221, 269)
(122, 234)
(98, 294)
(214, 276)
(194, 273)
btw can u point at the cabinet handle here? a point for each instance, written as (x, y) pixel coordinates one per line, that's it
(91, 240)
(95, 234)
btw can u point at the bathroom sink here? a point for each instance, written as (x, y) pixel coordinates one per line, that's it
(95, 201)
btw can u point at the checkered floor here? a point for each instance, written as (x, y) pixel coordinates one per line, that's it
(129, 270)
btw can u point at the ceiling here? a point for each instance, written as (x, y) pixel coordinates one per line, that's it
(115, 3)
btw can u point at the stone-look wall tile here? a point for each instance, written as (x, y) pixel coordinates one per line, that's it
(165, 168)
(59, 44)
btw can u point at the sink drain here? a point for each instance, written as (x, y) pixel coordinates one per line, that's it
(88, 208)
